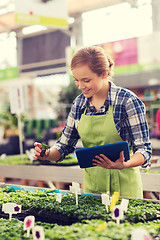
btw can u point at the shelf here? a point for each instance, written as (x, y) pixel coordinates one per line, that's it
(57, 174)
(155, 143)
(43, 173)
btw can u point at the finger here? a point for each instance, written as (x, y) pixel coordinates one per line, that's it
(36, 155)
(105, 158)
(122, 156)
(37, 152)
(47, 152)
(37, 144)
(97, 163)
(100, 160)
(37, 149)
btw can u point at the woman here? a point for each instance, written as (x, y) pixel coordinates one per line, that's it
(104, 113)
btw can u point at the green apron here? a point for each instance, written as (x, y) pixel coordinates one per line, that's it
(97, 130)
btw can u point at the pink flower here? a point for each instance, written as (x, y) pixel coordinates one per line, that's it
(28, 223)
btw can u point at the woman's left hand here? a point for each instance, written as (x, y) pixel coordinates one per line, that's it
(103, 161)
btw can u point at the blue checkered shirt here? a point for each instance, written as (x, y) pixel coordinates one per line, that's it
(129, 117)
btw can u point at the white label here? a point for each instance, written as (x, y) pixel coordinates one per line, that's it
(105, 199)
(16, 99)
(28, 224)
(11, 208)
(38, 233)
(140, 234)
(124, 204)
(75, 188)
(59, 197)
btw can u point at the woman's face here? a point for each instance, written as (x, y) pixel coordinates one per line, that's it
(87, 81)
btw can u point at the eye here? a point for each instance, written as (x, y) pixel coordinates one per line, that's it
(87, 81)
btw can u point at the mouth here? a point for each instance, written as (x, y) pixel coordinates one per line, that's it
(85, 91)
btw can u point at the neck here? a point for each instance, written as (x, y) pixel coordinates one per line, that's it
(99, 99)
(103, 93)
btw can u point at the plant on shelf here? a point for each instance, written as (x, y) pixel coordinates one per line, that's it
(9, 122)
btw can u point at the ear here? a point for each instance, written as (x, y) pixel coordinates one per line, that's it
(104, 75)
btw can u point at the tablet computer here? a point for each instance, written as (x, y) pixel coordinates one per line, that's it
(112, 151)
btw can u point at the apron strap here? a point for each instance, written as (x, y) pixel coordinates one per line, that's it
(85, 111)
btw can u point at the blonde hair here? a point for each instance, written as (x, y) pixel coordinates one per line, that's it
(96, 58)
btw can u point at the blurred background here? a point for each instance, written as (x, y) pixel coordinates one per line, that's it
(37, 41)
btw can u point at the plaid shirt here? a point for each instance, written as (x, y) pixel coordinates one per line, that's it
(129, 118)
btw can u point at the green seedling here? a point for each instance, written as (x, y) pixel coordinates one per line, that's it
(44, 148)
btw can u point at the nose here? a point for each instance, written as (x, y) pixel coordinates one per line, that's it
(81, 85)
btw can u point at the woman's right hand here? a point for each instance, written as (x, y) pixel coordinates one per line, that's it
(37, 152)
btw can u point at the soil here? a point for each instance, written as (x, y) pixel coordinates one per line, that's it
(42, 217)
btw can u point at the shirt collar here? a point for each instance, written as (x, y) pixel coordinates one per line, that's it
(111, 94)
(85, 103)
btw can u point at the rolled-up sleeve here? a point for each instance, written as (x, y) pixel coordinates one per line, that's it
(138, 128)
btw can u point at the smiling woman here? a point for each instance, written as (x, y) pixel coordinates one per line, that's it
(90, 68)
(103, 113)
